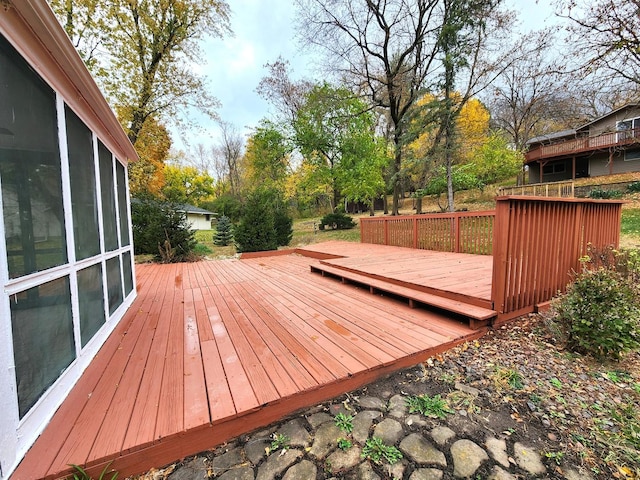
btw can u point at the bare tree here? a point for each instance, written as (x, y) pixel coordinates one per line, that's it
(605, 35)
(386, 47)
(230, 152)
(285, 94)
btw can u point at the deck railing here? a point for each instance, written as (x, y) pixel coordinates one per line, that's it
(462, 232)
(565, 189)
(538, 243)
(584, 144)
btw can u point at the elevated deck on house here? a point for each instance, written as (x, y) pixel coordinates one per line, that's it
(211, 350)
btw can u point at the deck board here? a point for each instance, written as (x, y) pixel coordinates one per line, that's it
(211, 350)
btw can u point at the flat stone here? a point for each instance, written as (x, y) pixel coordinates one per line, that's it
(325, 439)
(372, 402)
(362, 424)
(416, 420)
(389, 431)
(573, 474)
(255, 450)
(499, 474)
(474, 392)
(365, 472)
(304, 470)
(528, 459)
(224, 462)
(277, 463)
(194, 469)
(398, 406)
(497, 448)
(298, 435)
(467, 458)
(337, 408)
(420, 450)
(396, 470)
(341, 460)
(426, 474)
(441, 435)
(318, 419)
(242, 473)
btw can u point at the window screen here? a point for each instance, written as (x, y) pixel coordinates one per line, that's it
(107, 187)
(122, 204)
(91, 299)
(114, 284)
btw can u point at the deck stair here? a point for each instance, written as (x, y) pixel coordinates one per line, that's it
(477, 316)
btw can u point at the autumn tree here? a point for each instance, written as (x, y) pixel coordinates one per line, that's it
(185, 184)
(282, 91)
(266, 160)
(146, 176)
(147, 51)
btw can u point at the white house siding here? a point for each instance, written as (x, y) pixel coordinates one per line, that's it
(198, 222)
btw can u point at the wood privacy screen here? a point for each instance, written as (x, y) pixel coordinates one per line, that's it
(465, 232)
(538, 243)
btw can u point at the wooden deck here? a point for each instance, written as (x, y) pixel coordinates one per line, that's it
(211, 350)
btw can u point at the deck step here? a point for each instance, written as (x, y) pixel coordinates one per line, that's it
(477, 316)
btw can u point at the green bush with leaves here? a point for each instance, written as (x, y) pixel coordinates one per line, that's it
(634, 187)
(600, 313)
(337, 221)
(601, 193)
(162, 229)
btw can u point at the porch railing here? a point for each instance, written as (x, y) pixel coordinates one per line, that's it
(565, 189)
(462, 232)
(584, 144)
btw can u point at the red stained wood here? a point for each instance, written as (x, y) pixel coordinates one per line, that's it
(211, 350)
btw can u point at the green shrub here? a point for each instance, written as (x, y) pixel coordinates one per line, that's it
(634, 187)
(223, 235)
(162, 230)
(600, 313)
(265, 224)
(337, 221)
(603, 194)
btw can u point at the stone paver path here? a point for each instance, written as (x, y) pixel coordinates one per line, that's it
(430, 449)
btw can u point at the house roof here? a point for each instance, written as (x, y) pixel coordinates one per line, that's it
(33, 30)
(613, 112)
(192, 209)
(551, 136)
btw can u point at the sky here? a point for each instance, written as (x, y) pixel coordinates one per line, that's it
(264, 30)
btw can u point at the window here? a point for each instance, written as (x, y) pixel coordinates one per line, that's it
(128, 272)
(29, 169)
(630, 155)
(114, 284)
(91, 300)
(628, 128)
(122, 204)
(83, 187)
(552, 168)
(43, 342)
(107, 187)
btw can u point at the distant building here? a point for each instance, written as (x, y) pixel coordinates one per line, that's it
(66, 250)
(198, 218)
(607, 145)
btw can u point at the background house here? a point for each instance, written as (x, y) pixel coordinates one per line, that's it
(66, 253)
(198, 218)
(607, 145)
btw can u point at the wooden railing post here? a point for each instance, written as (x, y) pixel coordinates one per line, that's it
(415, 232)
(500, 254)
(456, 232)
(386, 231)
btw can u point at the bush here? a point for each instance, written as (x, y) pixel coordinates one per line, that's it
(634, 187)
(603, 194)
(264, 225)
(162, 230)
(223, 235)
(600, 314)
(337, 221)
